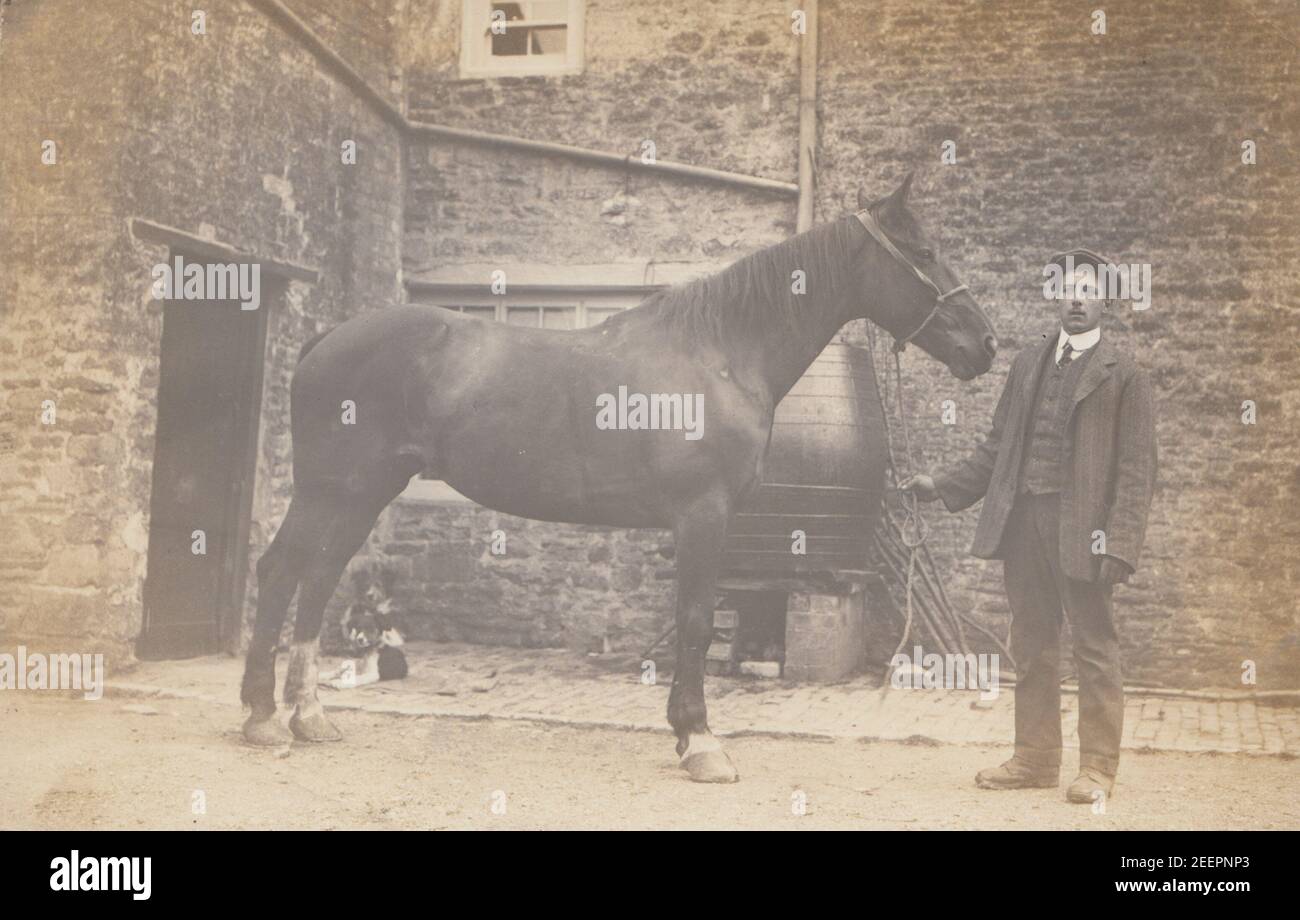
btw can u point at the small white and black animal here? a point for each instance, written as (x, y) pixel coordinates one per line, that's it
(373, 638)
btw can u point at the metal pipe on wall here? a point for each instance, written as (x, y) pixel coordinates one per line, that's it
(807, 116)
(604, 158)
(287, 19)
(291, 23)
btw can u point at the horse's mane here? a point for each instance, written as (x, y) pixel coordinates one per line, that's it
(751, 296)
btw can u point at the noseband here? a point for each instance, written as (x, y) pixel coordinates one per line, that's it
(869, 221)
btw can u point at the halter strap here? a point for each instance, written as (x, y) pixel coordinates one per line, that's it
(868, 221)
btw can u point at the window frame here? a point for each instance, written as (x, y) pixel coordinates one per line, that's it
(476, 58)
(580, 301)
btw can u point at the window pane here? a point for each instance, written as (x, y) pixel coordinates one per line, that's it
(487, 313)
(549, 41)
(549, 9)
(597, 314)
(558, 317)
(512, 41)
(522, 316)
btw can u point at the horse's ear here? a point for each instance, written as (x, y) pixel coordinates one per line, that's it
(898, 198)
(895, 199)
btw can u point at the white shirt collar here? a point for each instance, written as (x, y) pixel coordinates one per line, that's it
(1080, 341)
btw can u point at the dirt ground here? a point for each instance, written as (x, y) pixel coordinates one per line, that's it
(127, 763)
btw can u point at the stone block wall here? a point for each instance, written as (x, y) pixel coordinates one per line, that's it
(1128, 142)
(234, 135)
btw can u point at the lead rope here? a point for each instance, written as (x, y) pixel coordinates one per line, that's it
(920, 532)
(915, 543)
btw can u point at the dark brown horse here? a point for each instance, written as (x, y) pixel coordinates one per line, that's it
(508, 416)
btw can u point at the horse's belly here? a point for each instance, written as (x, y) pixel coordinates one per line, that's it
(535, 494)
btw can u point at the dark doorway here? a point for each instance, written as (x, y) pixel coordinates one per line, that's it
(209, 403)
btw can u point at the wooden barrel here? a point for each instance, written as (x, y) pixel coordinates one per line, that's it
(824, 474)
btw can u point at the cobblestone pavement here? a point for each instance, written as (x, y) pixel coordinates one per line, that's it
(564, 687)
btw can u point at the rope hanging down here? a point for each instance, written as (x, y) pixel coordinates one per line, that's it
(904, 550)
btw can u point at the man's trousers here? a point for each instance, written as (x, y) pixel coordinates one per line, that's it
(1038, 592)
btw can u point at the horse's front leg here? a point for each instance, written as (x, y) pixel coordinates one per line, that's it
(700, 534)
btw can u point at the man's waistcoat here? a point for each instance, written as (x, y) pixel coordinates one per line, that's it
(1042, 472)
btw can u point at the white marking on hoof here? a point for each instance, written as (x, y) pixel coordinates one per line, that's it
(303, 672)
(700, 744)
(707, 762)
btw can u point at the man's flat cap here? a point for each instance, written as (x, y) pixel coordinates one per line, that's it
(1081, 257)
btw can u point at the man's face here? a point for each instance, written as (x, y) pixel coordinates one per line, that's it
(1081, 310)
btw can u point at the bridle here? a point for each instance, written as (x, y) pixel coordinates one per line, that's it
(869, 221)
(914, 543)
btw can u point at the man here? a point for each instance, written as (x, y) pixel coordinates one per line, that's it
(1067, 474)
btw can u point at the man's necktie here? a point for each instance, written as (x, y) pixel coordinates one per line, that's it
(1067, 355)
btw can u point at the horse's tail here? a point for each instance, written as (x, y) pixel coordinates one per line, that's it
(311, 343)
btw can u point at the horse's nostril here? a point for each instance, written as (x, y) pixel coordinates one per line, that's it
(991, 344)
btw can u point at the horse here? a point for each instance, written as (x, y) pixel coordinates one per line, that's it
(506, 415)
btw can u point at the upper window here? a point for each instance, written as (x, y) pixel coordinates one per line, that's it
(521, 37)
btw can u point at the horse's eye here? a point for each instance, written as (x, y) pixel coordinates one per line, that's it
(927, 255)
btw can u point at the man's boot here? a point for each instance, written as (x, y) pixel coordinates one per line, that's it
(1089, 786)
(1019, 774)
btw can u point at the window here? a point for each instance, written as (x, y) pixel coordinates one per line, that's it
(521, 37)
(540, 310)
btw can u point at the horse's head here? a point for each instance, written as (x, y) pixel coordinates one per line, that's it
(917, 296)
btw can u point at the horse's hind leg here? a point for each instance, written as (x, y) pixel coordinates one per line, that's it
(352, 515)
(278, 571)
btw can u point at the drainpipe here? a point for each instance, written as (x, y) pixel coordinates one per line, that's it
(807, 116)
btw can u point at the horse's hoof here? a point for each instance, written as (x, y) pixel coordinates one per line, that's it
(266, 732)
(710, 767)
(314, 728)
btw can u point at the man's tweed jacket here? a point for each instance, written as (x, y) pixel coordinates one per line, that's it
(1109, 460)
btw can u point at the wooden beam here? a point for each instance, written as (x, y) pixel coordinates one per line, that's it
(205, 248)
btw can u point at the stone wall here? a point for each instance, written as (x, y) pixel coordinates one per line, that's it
(71, 552)
(1128, 142)
(234, 135)
(662, 72)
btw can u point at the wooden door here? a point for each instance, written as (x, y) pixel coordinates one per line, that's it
(209, 401)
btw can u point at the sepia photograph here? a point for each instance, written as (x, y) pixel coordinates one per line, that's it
(858, 415)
